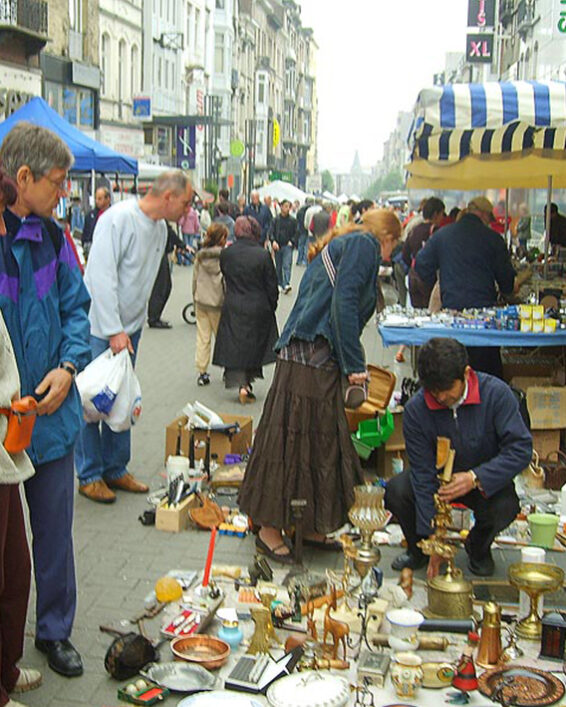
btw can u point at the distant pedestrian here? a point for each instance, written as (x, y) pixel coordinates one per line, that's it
(265, 218)
(224, 198)
(557, 226)
(205, 219)
(302, 233)
(283, 237)
(248, 328)
(254, 207)
(190, 229)
(102, 200)
(320, 223)
(208, 295)
(127, 249)
(225, 219)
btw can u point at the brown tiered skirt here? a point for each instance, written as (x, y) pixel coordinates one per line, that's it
(302, 450)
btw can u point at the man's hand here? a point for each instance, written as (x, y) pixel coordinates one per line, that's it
(433, 566)
(461, 483)
(275, 246)
(58, 382)
(120, 341)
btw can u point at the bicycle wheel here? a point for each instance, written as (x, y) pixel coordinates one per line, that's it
(189, 314)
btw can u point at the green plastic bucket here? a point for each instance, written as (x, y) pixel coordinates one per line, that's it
(543, 529)
(363, 450)
(376, 431)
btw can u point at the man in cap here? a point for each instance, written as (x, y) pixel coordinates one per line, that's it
(472, 263)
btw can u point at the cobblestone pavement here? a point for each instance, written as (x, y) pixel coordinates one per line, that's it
(118, 560)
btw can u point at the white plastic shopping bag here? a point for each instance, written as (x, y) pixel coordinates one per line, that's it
(99, 384)
(127, 407)
(110, 391)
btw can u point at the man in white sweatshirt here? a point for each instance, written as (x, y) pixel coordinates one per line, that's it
(129, 241)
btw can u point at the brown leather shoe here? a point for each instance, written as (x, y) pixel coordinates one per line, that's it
(98, 491)
(128, 483)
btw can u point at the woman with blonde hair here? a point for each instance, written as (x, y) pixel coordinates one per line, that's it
(208, 295)
(302, 447)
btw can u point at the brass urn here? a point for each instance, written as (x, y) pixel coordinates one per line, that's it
(368, 515)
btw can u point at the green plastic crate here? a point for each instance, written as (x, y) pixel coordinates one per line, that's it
(363, 450)
(376, 431)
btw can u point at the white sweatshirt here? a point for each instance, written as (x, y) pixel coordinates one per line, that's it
(126, 250)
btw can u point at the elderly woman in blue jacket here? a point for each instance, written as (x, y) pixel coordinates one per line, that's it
(302, 447)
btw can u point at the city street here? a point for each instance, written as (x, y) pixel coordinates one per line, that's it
(118, 560)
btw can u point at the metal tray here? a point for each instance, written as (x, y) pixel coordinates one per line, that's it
(180, 677)
(526, 687)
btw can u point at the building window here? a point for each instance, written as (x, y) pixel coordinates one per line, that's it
(219, 53)
(189, 20)
(105, 63)
(75, 15)
(159, 72)
(261, 88)
(220, 4)
(197, 27)
(122, 68)
(135, 70)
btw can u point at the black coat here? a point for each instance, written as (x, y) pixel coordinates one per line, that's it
(248, 330)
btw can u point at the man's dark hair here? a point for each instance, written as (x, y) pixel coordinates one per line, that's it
(454, 211)
(285, 201)
(223, 207)
(441, 363)
(224, 194)
(432, 207)
(364, 205)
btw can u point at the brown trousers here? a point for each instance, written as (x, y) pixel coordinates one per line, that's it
(15, 571)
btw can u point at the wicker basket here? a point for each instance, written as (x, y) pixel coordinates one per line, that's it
(555, 470)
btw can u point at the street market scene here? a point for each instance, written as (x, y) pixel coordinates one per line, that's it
(282, 353)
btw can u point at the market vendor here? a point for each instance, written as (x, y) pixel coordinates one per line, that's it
(472, 263)
(480, 415)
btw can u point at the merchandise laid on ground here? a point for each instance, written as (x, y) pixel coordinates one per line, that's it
(261, 635)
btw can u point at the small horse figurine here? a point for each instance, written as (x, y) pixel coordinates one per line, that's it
(337, 629)
(311, 625)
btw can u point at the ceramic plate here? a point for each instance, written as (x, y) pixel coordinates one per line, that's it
(180, 677)
(524, 687)
(309, 689)
(218, 697)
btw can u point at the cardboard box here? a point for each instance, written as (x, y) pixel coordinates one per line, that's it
(385, 462)
(396, 443)
(547, 407)
(173, 520)
(220, 443)
(546, 441)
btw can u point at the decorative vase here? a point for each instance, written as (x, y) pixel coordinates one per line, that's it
(406, 674)
(368, 515)
(230, 630)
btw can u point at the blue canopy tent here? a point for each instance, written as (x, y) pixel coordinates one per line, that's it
(477, 136)
(90, 156)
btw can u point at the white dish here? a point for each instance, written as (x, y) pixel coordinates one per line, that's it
(218, 697)
(309, 689)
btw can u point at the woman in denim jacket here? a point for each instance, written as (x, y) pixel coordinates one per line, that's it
(302, 447)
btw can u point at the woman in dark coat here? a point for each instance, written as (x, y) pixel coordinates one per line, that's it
(248, 329)
(302, 448)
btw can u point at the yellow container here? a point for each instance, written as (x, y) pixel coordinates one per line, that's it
(526, 325)
(549, 326)
(538, 311)
(538, 326)
(526, 311)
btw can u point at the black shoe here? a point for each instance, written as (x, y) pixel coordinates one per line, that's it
(481, 567)
(203, 379)
(407, 559)
(160, 324)
(62, 657)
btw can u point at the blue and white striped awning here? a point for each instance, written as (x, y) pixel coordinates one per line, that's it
(489, 123)
(454, 121)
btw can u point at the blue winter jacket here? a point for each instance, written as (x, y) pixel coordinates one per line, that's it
(45, 306)
(487, 433)
(338, 313)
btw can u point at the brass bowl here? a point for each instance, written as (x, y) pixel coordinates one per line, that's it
(536, 577)
(208, 651)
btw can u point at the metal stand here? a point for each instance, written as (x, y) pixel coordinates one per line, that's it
(297, 508)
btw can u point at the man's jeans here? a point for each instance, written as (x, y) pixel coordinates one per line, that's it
(186, 258)
(99, 452)
(283, 265)
(302, 250)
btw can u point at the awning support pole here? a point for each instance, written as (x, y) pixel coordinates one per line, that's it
(547, 227)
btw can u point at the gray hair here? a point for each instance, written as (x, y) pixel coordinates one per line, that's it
(36, 147)
(174, 180)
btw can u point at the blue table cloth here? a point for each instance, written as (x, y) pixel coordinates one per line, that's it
(415, 336)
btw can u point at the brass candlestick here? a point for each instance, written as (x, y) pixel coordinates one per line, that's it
(449, 595)
(534, 579)
(369, 515)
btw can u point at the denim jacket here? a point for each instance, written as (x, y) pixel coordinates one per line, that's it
(338, 313)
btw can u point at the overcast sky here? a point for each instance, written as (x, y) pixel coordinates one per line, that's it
(374, 57)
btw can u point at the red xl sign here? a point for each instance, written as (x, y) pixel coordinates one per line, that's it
(479, 49)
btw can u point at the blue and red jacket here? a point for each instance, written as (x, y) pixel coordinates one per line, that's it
(487, 432)
(45, 306)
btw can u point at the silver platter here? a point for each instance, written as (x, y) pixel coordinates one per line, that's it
(180, 677)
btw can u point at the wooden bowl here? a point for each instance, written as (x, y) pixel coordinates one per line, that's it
(208, 651)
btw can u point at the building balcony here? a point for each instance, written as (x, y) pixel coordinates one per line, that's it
(27, 20)
(526, 16)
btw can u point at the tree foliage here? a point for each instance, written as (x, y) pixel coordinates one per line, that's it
(327, 181)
